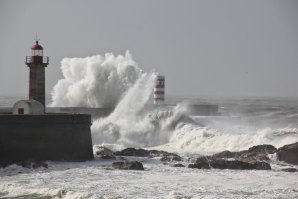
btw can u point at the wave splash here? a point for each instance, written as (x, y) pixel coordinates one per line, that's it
(117, 81)
(96, 81)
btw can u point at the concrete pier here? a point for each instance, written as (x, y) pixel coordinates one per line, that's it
(60, 137)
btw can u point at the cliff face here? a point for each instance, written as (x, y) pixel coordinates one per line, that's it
(64, 137)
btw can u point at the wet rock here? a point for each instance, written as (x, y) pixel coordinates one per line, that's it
(170, 158)
(288, 153)
(225, 155)
(133, 152)
(201, 163)
(165, 156)
(211, 162)
(261, 165)
(26, 164)
(257, 153)
(100, 150)
(133, 165)
(178, 165)
(265, 149)
(290, 170)
(234, 164)
(108, 157)
(254, 154)
(36, 165)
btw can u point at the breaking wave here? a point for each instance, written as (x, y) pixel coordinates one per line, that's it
(96, 81)
(117, 81)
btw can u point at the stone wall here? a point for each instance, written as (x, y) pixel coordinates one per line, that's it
(63, 137)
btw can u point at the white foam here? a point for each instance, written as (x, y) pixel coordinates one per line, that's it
(95, 180)
(105, 81)
(96, 81)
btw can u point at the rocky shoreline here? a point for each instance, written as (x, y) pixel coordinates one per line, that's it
(254, 158)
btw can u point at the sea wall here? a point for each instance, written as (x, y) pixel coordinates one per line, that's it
(63, 137)
(94, 112)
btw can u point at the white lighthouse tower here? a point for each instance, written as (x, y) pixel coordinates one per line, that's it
(159, 90)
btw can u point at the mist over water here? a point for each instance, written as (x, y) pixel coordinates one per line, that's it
(117, 81)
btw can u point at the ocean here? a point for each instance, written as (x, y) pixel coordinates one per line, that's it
(117, 81)
(242, 123)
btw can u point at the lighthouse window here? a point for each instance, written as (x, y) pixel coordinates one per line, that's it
(36, 52)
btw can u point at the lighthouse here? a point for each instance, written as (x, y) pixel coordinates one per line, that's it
(37, 63)
(159, 90)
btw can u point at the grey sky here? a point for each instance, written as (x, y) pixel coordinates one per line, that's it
(213, 48)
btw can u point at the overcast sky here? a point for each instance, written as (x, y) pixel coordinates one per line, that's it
(204, 48)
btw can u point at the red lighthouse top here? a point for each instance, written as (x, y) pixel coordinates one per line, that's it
(37, 55)
(36, 46)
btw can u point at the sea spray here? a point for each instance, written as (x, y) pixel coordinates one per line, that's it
(96, 81)
(117, 81)
(129, 124)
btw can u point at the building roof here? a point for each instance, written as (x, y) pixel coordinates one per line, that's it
(36, 46)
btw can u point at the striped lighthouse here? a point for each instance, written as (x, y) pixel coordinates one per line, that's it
(159, 90)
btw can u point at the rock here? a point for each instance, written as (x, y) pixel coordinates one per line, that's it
(26, 164)
(290, 170)
(288, 153)
(133, 152)
(261, 165)
(39, 164)
(178, 165)
(211, 162)
(265, 149)
(192, 166)
(108, 157)
(134, 165)
(171, 157)
(234, 164)
(100, 150)
(254, 154)
(201, 163)
(224, 154)
(165, 156)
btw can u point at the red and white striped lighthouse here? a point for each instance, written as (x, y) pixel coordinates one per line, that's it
(159, 90)
(37, 63)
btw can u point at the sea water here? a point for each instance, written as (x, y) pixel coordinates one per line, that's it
(105, 81)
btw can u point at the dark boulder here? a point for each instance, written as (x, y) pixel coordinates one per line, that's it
(36, 165)
(265, 149)
(133, 152)
(171, 157)
(178, 165)
(108, 157)
(103, 151)
(211, 162)
(261, 165)
(134, 165)
(201, 163)
(290, 170)
(165, 156)
(234, 164)
(254, 154)
(288, 153)
(225, 155)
